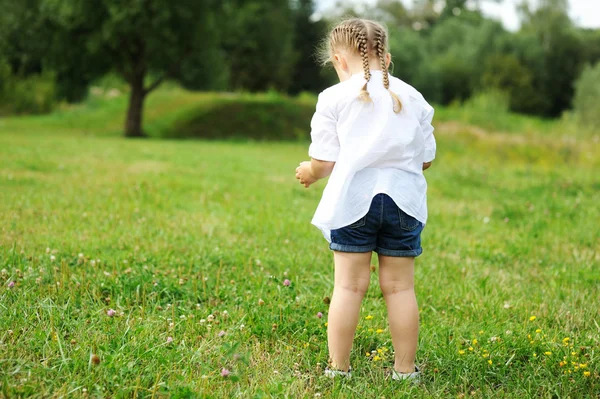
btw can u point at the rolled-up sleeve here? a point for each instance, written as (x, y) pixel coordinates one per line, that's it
(427, 127)
(325, 145)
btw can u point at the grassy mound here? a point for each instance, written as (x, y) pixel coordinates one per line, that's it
(257, 117)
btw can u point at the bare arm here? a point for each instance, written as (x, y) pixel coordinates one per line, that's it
(321, 169)
(426, 165)
(310, 171)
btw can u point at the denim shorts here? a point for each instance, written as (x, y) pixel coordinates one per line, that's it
(385, 229)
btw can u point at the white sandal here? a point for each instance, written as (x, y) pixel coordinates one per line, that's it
(414, 376)
(338, 373)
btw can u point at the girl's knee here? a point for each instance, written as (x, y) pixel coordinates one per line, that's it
(395, 287)
(356, 286)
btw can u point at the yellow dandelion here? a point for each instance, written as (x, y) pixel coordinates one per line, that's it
(567, 339)
(481, 332)
(587, 373)
(576, 367)
(376, 358)
(547, 353)
(535, 355)
(486, 355)
(326, 324)
(573, 353)
(369, 317)
(531, 342)
(532, 318)
(474, 342)
(471, 348)
(368, 354)
(461, 352)
(490, 362)
(538, 331)
(379, 351)
(529, 336)
(562, 364)
(379, 331)
(583, 365)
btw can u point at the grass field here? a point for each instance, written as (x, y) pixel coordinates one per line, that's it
(143, 268)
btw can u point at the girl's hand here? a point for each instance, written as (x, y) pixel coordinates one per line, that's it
(303, 173)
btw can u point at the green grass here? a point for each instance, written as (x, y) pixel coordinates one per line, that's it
(167, 233)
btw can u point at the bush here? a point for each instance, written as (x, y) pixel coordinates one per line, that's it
(505, 72)
(587, 97)
(35, 94)
(488, 102)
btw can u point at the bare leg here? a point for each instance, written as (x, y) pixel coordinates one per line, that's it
(351, 283)
(396, 279)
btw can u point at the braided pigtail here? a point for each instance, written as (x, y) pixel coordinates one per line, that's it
(363, 48)
(380, 41)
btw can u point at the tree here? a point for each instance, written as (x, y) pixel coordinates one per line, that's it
(258, 37)
(460, 47)
(307, 74)
(506, 73)
(562, 54)
(137, 39)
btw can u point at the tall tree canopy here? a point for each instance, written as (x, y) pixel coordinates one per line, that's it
(145, 41)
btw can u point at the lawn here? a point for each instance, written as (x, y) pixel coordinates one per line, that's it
(145, 268)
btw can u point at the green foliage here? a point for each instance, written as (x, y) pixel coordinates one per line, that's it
(557, 59)
(445, 49)
(258, 36)
(587, 97)
(412, 62)
(456, 76)
(34, 94)
(591, 38)
(306, 72)
(506, 73)
(460, 47)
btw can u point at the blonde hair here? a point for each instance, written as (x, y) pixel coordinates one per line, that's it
(367, 39)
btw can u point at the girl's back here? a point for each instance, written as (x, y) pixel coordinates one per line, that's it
(376, 149)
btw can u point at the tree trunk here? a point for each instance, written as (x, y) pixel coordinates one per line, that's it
(133, 124)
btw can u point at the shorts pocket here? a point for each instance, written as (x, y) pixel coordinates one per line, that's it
(359, 223)
(407, 222)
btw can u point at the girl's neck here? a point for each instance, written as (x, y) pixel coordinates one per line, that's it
(355, 67)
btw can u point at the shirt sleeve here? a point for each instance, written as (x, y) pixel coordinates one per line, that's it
(325, 145)
(427, 127)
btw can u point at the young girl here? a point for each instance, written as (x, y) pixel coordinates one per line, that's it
(372, 133)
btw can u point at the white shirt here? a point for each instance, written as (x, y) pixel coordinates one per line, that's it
(375, 150)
